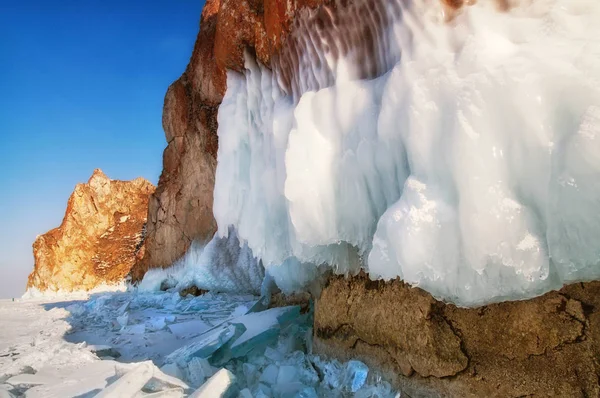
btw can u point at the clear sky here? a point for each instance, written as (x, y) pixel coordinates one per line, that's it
(82, 84)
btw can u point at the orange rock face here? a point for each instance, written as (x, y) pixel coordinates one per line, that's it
(99, 238)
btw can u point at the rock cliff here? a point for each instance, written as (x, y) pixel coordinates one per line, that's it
(99, 238)
(181, 208)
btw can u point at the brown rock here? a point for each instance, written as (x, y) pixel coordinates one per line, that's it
(99, 238)
(193, 290)
(547, 346)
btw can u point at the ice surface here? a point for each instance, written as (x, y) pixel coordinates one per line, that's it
(132, 382)
(468, 166)
(198, 370)
(190, 328)
(261, 328)
(156, 323)
(245, 393)
(29, 379)
(205, 345)
(171, 393)
(129, 384)
(307, 392)
(222, 384)
(39, 345)
(172, 369)
(355, 375)
(269, 375)
(287, 374)
(123, 319)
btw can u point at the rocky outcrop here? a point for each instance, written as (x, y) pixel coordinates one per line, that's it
(99, 239)
(181, 208)
(547, 346)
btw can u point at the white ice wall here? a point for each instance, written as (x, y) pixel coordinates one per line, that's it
(471, 168)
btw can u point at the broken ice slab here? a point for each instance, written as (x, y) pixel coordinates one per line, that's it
(130, 383)
(269, 375)
(307, 392)
(121, 310)
(172, 369)
(170, 393)
(135, 379)
(262, 394)
(245, 393)
(155, 324)
(261, 329)
(198, 370)
(140, 328)
(287, 389)
(6, 394)
(355, 375)
(205, 345)
(262, 390)
(91, 377)
(287, 374)
(123, 319)
(190, 328)
(260, 305)
(273, 354)
(29, 379)
(240, 310)
(223, 384)
(250, 373)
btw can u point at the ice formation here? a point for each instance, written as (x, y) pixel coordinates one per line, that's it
(460, 153)
(222, 265)
(46, 352)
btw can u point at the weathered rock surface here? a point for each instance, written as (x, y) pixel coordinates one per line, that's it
(99, 239)
(181, 208)
(547, 346)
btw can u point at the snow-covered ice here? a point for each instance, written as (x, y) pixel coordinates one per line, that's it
(468, 164)
(222, 265)
(74, 347)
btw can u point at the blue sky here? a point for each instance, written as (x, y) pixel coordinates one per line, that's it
(82, 85)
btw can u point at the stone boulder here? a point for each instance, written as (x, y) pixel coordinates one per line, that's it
(99, 239)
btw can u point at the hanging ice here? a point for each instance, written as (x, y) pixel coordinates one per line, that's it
(460, 153)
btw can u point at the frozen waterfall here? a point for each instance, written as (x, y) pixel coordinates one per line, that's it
(459, 152)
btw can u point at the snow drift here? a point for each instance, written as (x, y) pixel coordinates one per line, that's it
(462, 156)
